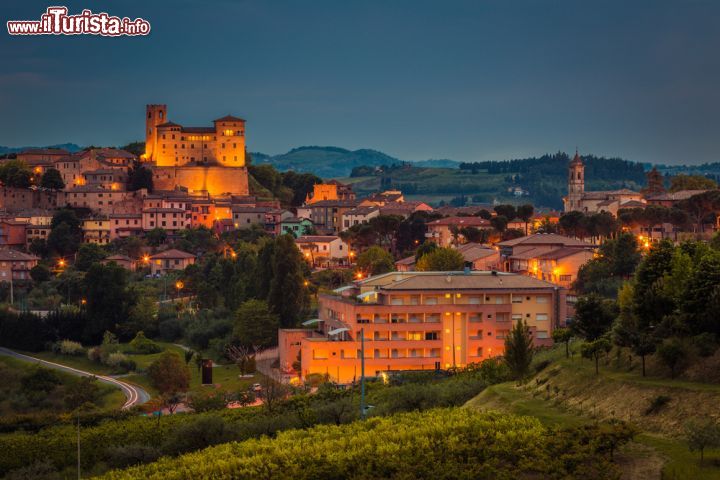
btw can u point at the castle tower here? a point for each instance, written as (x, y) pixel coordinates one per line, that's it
(230, 144)
(576, 184)
(154, 116)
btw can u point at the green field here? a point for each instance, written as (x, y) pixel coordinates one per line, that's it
(12, 369)
(583, 397)
(225, 377)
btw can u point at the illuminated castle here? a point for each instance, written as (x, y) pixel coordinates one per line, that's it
(201, 159)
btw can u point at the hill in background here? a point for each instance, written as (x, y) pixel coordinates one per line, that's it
(70, 147)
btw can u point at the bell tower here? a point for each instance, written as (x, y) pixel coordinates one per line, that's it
(154, 116)
(576, 184)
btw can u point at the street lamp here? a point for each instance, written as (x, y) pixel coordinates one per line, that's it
(179, 286)
(61, 263)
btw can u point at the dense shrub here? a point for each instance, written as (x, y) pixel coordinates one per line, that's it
(68, 347)
(143, 345)
(120, 362)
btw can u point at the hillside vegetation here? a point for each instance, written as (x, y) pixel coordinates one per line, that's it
(567, 392)
(440, 444)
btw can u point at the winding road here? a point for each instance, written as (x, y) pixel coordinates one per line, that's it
(135, 395)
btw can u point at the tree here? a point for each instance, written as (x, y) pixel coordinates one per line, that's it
(88, 254)
(563, 335)
(507, 211)
(443, 259)
(375, 260)
(519, 350)
(255, 324)
(65, 234)
(288, 297)
(499, 223)
(594, 316)
(156, 237)
(84, 390)
(699, 207)
(139, 177)
(107, 298)
(691, 182)
(525, 213)
(424, 248)
(595, 349)
(15, 173)
(243, 356)
(40, 273)
(671, 353)
(52, 179)
(702, 434)
(169, 374)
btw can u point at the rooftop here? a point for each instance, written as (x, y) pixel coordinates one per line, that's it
(474, 280)
(545, 239)
(172, 253)
(10, 255)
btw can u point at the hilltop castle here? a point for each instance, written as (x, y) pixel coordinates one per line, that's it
(202, 159)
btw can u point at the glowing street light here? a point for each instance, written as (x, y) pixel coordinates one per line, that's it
(146, 259)
(61, 263)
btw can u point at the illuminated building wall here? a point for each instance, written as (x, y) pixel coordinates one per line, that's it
(431, 324)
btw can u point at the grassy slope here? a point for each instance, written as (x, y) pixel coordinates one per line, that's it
(582, 396)
(111, 398)
(224, 376)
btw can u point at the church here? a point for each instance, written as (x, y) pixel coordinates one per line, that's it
(205, 160)
(578, 200)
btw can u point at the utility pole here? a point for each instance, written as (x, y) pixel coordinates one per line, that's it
(362, 373)
(12, 293)
(78, 445)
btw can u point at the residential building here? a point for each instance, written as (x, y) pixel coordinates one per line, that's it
(358, 215)
(327, 214)
(122, 260)
(421, 321)
(96, 230)
(477, 257)
(12, 232)
(245, 217)
(447, 231)
(169, 219)
(15, 265)
(170, 260)
(561, 265)
(323, 250)
(296, 226)
(123, 225)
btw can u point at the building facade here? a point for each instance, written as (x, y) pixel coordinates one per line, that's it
(421, 321)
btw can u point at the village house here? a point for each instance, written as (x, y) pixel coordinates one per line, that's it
(358, 215)
(15, 265)
(446, 231)
(323, 250)
(170, 260)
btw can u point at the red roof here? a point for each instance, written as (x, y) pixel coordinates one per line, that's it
(461, 222)
(172, 253)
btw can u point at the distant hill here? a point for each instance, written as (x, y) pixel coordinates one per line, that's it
(71, 147)
(325, 161)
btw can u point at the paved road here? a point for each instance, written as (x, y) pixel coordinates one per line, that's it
(135, 395)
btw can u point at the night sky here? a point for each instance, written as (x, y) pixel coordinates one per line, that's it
(475, 80)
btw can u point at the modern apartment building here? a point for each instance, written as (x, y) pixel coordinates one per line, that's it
(421, 321)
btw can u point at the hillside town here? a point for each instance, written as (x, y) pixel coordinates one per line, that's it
(360, 240)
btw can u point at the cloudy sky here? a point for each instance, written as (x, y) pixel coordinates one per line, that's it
(467, 80)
